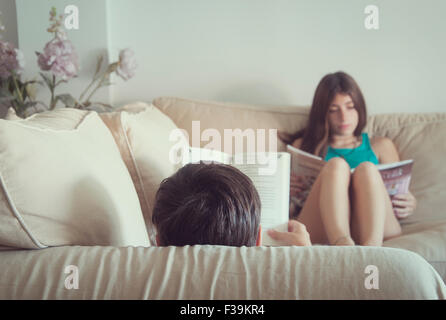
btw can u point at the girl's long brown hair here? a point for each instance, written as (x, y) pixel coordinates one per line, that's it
(315, 134)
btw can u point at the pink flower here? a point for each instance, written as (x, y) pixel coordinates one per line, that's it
(127, 64)
(59, 57)
(11, 60)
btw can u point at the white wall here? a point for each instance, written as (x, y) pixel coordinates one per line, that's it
(257, 51)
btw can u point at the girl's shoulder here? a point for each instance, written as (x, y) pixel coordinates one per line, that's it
(380, 142)
(384, 149)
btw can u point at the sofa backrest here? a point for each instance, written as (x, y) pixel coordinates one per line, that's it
(220, 116)
(219, 272)
(419, 136)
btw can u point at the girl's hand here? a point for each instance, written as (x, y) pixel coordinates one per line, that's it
(404, 205)
(297, 184)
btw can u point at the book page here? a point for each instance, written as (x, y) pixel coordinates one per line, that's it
(306, 167)
(273, 189)
(304, 163)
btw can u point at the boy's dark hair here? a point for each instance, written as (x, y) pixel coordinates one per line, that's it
(207, 203)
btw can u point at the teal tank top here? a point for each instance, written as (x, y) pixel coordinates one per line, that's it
(354, 156)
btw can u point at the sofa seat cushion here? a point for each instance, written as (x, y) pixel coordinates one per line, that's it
(428, 240)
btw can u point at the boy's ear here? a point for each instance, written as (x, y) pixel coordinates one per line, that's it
(259, 237)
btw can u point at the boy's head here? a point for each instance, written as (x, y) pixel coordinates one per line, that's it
(207, 204)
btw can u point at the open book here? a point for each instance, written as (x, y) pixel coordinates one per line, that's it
(396, 176)
(270, 174)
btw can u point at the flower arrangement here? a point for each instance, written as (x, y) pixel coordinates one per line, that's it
(58, 63)
(13, 91)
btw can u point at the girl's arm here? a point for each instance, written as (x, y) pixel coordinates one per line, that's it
(385, 150)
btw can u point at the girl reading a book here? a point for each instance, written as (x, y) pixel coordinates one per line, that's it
(344, 208)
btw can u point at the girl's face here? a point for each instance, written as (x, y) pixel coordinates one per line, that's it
(342, 115)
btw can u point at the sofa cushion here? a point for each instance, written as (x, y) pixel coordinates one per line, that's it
(428, 239)
(221, 116)
(141, 132)
(419, 136)
(63, 182)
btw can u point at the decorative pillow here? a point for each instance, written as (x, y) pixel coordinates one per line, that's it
(63, 182)
(142, 133)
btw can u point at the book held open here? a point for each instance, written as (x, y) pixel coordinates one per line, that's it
(273, 186)
(396, 176)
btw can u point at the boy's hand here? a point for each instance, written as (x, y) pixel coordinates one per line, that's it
(404, 205)
(297, 235)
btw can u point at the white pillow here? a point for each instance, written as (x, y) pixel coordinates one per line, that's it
(65, 186)
(142, 133)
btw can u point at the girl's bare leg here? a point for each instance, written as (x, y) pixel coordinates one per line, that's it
(373, 219)
(326, 213)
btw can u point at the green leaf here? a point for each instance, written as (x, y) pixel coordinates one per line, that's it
(67, 99)
(48, 80)
(60, 81)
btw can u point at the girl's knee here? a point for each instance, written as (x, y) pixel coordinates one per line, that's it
(337, 164)
(336, 168)
(366, 169)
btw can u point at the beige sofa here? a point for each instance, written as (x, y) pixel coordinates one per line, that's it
(77, 190)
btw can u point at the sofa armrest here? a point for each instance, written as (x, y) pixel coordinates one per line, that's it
(217, 272)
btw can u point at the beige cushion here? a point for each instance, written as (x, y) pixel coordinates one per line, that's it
(220, 116)
(141, 132)
(63, 182)
(420, 137)
(217, 272)
(428, 239)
